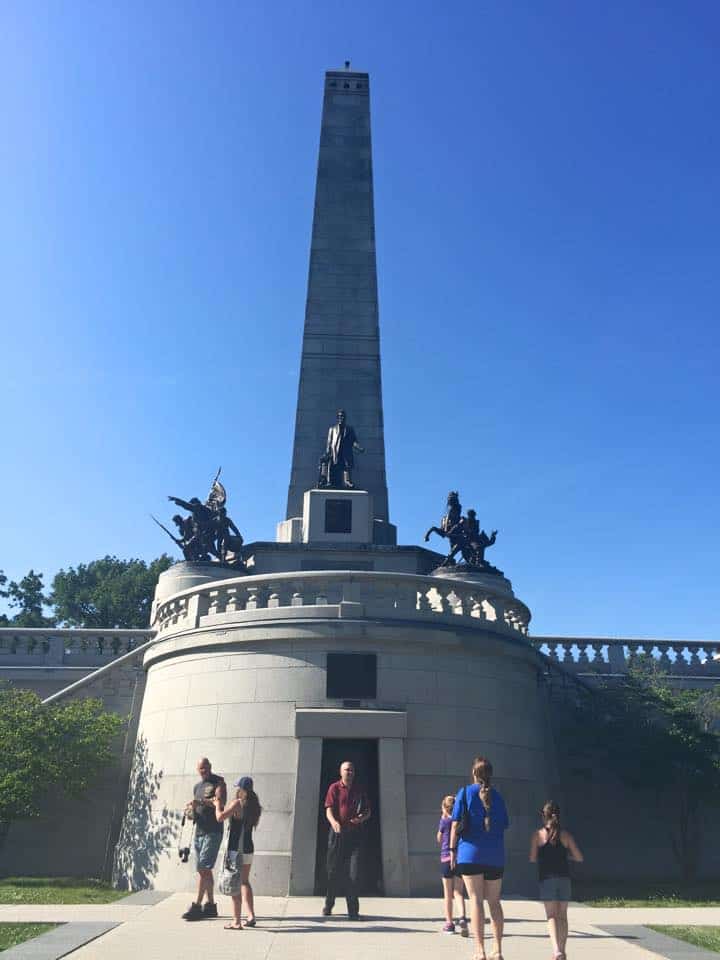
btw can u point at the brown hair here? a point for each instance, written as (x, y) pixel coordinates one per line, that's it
(482, 774)
(551, 819)
(251, 808)
(448, 802)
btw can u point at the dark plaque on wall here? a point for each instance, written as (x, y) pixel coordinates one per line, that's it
(338, 516)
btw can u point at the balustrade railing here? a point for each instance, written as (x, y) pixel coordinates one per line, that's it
(48, 647)
(358, 594)
(614, 656)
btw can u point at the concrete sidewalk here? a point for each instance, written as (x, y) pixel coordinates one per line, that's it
(292, 929)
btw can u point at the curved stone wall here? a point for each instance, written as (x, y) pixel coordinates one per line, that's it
(232, 694)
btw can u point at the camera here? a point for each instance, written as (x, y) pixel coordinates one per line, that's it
(184, 854)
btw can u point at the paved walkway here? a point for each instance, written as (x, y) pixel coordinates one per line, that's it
(291, 929)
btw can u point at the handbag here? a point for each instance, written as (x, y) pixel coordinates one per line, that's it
(463, 824)
(230, 878)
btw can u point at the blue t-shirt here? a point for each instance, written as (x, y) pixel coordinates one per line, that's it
(478, 845)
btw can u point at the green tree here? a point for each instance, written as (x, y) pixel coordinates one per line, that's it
(3, 594)
(61, 746)
(27, 597)
(655, 737)
(107, 593)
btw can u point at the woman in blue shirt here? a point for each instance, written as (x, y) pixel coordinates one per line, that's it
(477, 851)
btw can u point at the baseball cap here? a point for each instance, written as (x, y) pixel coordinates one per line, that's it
(245, 783)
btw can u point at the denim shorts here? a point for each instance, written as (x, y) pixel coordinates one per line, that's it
(555, 888)
(207, 847)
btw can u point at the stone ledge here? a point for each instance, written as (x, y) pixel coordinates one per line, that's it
(342, 724)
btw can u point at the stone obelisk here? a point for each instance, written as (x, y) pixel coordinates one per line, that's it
(340, 366)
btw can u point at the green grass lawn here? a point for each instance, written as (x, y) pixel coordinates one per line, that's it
(57, 890)
(706, 937)
(639, 893)
(13, 933)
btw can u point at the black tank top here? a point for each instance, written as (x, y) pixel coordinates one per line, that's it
(552, 861)
(236, 825)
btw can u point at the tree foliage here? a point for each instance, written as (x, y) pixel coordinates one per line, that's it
(60, 746)
(27, 597)
(656, 737)
(107, 593)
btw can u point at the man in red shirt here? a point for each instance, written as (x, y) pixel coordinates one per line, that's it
(346, 809)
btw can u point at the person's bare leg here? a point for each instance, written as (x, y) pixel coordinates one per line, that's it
(562, 923)
(459, 895)
(448, 898)
(551, 912)
(237, 913)
(475, 889)
(247, 892)
(497, 917)
(202, 885)
(209, 886)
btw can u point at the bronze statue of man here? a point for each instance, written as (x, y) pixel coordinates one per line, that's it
(340, 452)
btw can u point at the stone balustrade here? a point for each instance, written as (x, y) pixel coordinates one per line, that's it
(345, 594)
(596, 657)
(53, 647)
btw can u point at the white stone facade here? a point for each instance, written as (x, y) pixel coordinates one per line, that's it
(247, 688)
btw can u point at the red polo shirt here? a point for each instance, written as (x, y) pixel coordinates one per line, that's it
(346, 802)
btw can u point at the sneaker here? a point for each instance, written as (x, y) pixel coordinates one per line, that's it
(448, 927)
(463, 924)
(354, 916)
(326, 911)
(209, 911)
(193, 912)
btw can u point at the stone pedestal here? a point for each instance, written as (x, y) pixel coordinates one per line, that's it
(460, 571)
(190, 573)
(337, 516)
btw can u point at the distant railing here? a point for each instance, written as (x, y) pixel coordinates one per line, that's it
(343, 594)
(613, 656)
(51, 647)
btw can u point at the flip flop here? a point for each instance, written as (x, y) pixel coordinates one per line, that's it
(231, 926)
(250, 923)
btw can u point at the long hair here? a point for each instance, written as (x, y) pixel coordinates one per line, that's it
(551, 821)
(251, 808)
(482, 774)
(448, 803)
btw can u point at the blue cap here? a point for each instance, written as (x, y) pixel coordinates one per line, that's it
(245, 783)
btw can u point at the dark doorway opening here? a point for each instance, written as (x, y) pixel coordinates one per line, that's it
(364, 755)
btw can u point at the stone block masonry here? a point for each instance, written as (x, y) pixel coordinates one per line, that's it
(340, 364)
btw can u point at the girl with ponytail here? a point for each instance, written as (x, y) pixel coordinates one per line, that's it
(477, 851)
(551, 847)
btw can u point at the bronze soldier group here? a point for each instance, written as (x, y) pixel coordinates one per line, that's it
(465, 536)
(208, 533)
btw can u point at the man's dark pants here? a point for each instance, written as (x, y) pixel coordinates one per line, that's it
(343, 868)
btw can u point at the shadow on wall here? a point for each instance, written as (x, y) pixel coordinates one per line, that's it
(145, 833)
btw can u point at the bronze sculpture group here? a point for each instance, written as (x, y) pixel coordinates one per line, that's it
(208, 534)
(465, 536)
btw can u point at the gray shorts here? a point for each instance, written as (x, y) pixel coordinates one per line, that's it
(207, 847)
(555, 888)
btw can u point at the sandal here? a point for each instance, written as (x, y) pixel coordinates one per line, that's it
(232, 926)
(250, 923)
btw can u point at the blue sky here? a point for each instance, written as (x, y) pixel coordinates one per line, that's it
(547, 190)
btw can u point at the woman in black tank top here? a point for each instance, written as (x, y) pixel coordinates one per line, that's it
(244, 815)
(552, 848)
